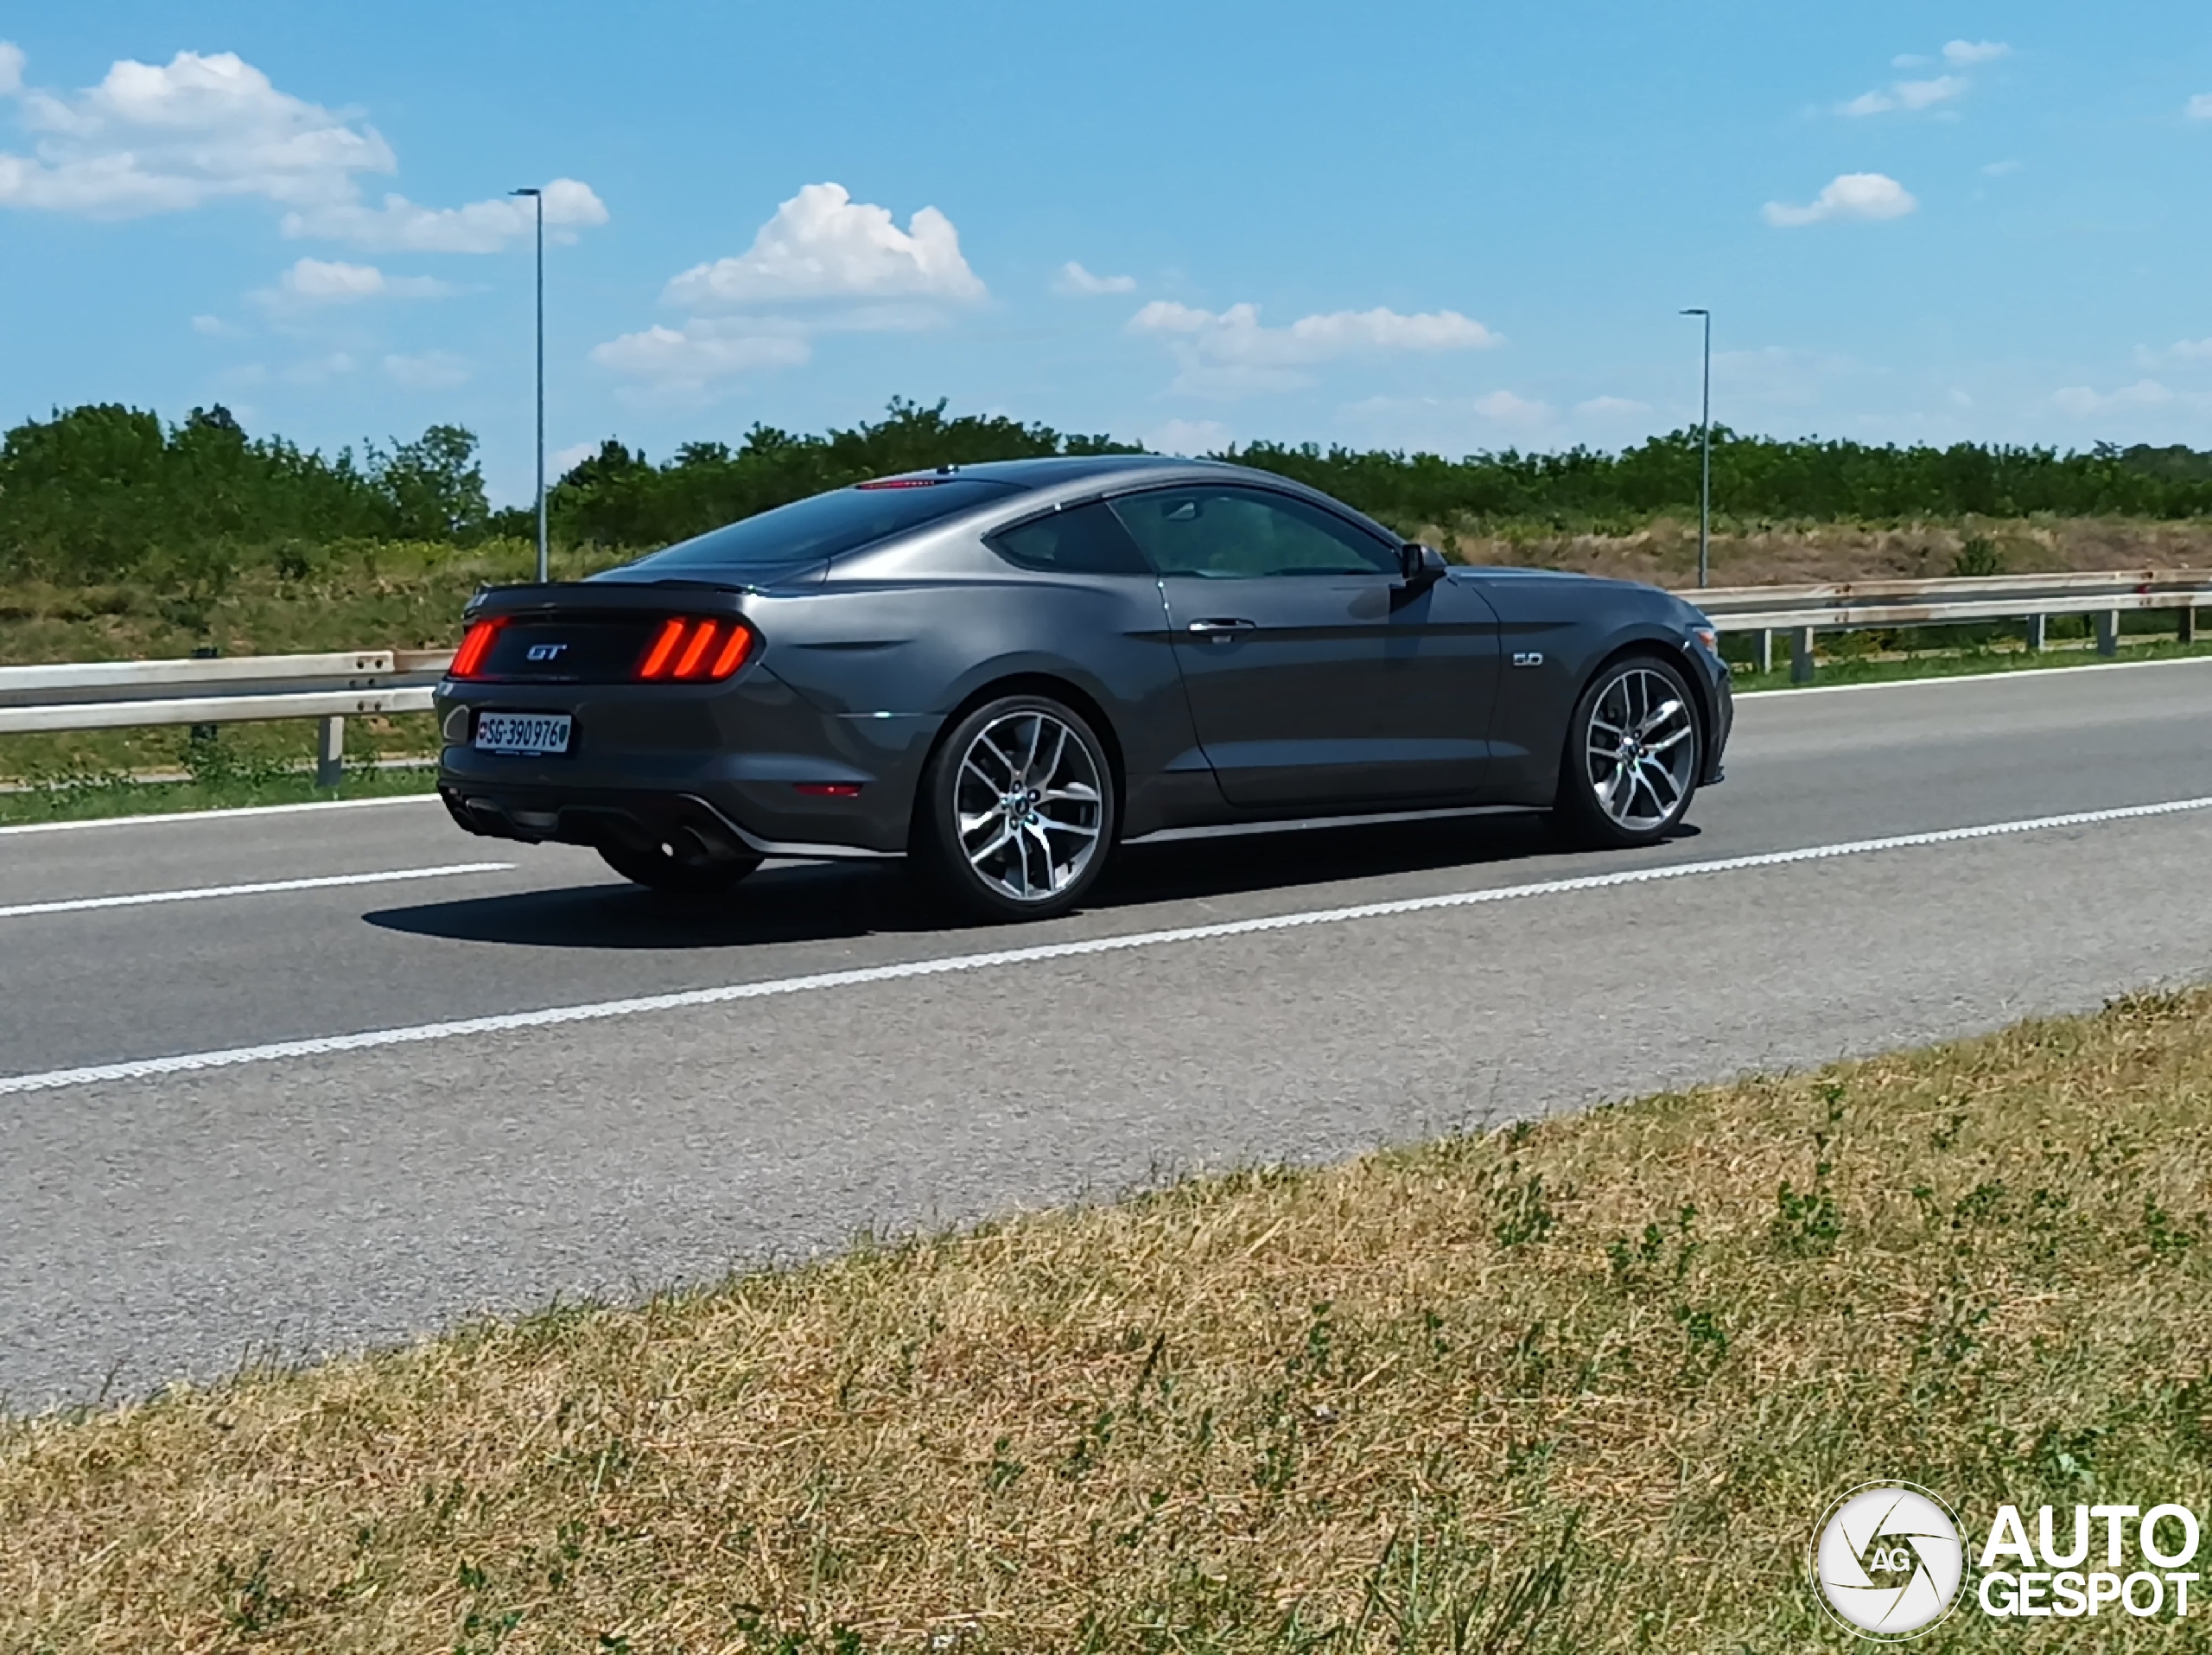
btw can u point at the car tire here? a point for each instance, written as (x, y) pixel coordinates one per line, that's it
(1017, 814)
(665, 868)
(1635, 725)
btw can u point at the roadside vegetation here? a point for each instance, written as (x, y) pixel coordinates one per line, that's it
(1582, 1385)
(123, 538)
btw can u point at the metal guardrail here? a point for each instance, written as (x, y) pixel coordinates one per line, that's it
(98, 695)
(123, 695)
(1802, 612)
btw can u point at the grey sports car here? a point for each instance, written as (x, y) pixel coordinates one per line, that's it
(1005, 671)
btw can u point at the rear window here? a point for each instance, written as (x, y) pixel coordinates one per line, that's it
(825, 524)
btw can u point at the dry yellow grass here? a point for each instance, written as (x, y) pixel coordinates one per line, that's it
(1578, 1386)
(1664, 553)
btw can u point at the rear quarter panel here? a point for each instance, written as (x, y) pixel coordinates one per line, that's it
(920, 648)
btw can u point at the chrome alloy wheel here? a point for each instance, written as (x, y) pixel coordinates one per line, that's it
(1028, 804)
(1642, 749)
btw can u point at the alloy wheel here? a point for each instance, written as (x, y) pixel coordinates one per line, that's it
(1028, 806)
(1641, 749)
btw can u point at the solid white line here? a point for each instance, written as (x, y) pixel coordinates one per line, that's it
(261, 888)
(507, 1023)
(227, 815)
(1998, 677)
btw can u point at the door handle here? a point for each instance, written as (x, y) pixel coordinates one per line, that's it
(1221, 628)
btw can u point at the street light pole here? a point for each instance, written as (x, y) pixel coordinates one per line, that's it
(538, 196)
(1705, 446)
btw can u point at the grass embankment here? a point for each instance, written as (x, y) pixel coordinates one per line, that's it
(1578, 1386)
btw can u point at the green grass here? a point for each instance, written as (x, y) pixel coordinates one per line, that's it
(82, 795)
(1567, 1389)
(1964, 663)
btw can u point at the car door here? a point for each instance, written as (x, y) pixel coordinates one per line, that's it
(1317, 676)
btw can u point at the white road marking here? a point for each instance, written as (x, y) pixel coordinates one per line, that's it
(554, 1017)
(225, 815)
(261, 888)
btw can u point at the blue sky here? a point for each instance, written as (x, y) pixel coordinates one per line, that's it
(1456, 226)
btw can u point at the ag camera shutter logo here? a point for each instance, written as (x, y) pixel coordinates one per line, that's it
(1887, 1559)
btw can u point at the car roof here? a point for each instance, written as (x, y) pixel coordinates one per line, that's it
(1054, 470)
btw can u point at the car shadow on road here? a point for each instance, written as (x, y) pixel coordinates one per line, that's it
(825, 902)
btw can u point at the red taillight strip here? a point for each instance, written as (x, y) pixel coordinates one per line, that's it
(478, 644)
(696, 651)
(733, 653)
(671, 634)
(684, 648)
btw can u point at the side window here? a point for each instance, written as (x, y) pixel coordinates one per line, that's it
(1082, 540)
(1217, 533)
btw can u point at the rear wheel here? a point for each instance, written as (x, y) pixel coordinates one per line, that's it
(1633, 750)
(670, 868)
(1016, 813)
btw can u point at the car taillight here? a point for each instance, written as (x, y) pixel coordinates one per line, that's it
(474, 645)
(696, 651)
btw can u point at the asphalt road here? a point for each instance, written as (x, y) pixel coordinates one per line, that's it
(819, 1055)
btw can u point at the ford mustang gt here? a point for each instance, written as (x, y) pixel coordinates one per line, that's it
(1003, 672)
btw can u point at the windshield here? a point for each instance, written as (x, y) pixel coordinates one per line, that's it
(824, 525)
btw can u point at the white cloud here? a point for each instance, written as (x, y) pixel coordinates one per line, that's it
(216, 328)
(1075, 280)
(321, 370)
(2200, 107)
(562, 462)
(1188, 436)
(1909, 61)
(2190, 350)
(1230, 352)
(313, 281)
(432, 370)
(1853, 196)
(486, 227)
(1507, 409)
(822, 244)
(2083, 402)
(1998, 168)
(151, 139)
(1612, 408)
(1963, 54)
(1924, 94)
(704, 351)
(203, 128)
(1907, 94)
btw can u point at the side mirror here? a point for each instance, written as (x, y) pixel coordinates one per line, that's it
(1420, 565)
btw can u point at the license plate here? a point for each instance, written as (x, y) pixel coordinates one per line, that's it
(531, 733)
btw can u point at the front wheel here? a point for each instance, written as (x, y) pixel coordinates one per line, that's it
(1633, 750)
(1016, 813)
(667, 868)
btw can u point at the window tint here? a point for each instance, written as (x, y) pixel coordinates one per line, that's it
(1220, 534)
(1082, 540)
(825, 524)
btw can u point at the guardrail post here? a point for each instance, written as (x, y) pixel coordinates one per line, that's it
(2187, 625)
(1763, 643)
(2107, 632)
(1800, 655)
(203, 734)
(2038, 629)
(330, 752)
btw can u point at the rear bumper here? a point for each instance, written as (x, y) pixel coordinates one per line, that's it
(737, 765)
(624, 817)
